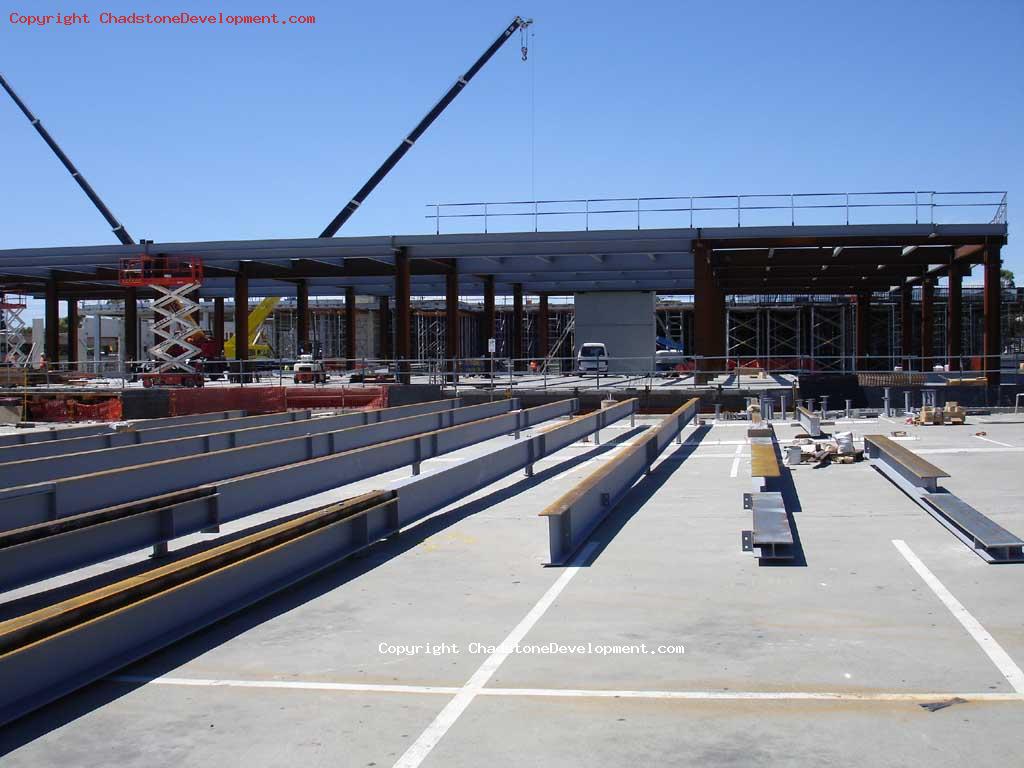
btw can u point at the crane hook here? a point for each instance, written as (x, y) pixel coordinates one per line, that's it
(523, 50)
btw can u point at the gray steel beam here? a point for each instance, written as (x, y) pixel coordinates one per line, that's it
(40, 470)
(810, 422)
(184, 597)
(423, 495)
(50, 547)
(48, 435)
(40, 502)
(116, 438)
(574, 516)
(53, 652)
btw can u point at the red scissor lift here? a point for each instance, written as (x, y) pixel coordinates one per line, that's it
(175, 280)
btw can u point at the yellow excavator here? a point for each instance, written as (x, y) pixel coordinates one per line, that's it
(257, 315)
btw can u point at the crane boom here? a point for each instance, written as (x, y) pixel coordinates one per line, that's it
(392, 160)
(119, 231)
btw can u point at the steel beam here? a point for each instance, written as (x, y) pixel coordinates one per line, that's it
(102, 436)
(39, 502)
(906, 326)
(39, 470)
(50, 547)
(574, 516)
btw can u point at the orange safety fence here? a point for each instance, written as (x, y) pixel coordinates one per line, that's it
(252, 400)
(67, 409)
(337, 397)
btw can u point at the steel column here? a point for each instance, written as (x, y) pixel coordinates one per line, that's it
(543, 349)
(488, 329)
(403, 335)
(517, 326)
(862, 329)
(218, 324)
(927, 322)
(993, 293)
(241, 316)
(954, 318)
(384, 310)
(451, 314)
(302, 317)
(906, 325)
(52, 312)
(350, 327)
(709, 313)
(73, 329)
(131, 324)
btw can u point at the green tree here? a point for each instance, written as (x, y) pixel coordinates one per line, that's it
(1006, 278)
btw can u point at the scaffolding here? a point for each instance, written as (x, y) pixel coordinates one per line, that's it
(12, 332)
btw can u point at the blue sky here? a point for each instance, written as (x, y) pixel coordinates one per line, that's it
(245, 132)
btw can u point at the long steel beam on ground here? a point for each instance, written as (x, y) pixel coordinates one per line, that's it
(46, 435)
(42, 550)
(60, 648)
(420, 496)
(574, 516)
(39, 502)
(110, 438)
(87, 462)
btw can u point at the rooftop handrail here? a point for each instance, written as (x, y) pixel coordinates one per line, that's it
(927, 202)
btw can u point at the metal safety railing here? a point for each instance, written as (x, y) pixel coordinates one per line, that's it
(803, 208)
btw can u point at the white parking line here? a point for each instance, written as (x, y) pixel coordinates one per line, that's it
(734, 470)
(992, 649)
(575, 693)
(990, 440)
(434, 732)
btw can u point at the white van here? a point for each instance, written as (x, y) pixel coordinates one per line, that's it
(592, 358)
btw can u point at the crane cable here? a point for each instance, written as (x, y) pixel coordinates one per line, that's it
(526, 39)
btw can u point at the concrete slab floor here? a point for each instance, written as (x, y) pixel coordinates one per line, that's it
(822, 663)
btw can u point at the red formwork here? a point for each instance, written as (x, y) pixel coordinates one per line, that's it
(337, 397)
(252, 400)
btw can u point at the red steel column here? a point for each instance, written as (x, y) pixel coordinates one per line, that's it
(403, 335)
(709, 315)
(542, 328)
(863, 330)
(241, 316)
(384, 310)
(451, 316)
(927, 322)
(992, 301)
(350, 327)
(954, 318)
(302, 317)
(73, 330)
(131, 323)
(52, 320)
(907, 326)
(517, 326)
(218, 323)
(488, 329)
